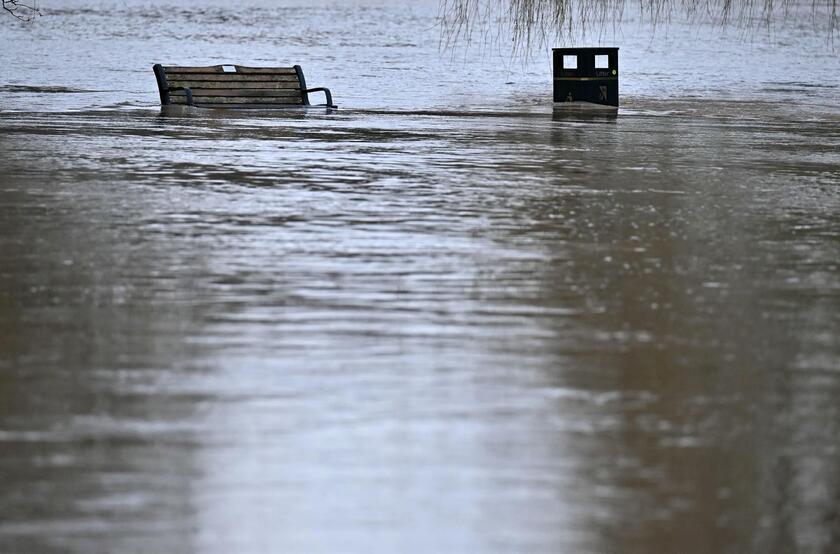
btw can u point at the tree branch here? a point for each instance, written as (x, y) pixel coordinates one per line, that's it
(23, 12)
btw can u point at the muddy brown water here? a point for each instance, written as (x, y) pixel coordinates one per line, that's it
(446, 318)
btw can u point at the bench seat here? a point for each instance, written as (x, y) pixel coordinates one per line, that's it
(235, 86)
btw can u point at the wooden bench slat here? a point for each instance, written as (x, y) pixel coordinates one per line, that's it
(208, 85)
(236, 84)
(200, 101)
(240, 70)
(234, 99)
(196, 92)
(231, 78)
(250, 106)
(243, 106)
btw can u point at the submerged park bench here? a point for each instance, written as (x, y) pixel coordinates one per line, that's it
(235, 86)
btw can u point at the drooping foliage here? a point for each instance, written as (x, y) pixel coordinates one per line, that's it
(531, 23)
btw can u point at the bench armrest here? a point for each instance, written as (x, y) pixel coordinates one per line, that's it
(326, 91)
(186, 90)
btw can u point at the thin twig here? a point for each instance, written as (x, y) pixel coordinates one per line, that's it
(23, 12)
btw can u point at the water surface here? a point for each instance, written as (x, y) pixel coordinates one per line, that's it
(445, 318)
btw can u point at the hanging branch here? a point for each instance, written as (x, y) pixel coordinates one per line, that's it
(23, 12)
(530, 23)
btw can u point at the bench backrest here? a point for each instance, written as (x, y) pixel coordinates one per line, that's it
(232, 86)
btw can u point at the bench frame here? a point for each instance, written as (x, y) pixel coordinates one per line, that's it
(165, 89)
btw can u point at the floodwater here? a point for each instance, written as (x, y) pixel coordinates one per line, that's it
(445, 318)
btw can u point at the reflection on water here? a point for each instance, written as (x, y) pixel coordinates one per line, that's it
(432, 324)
